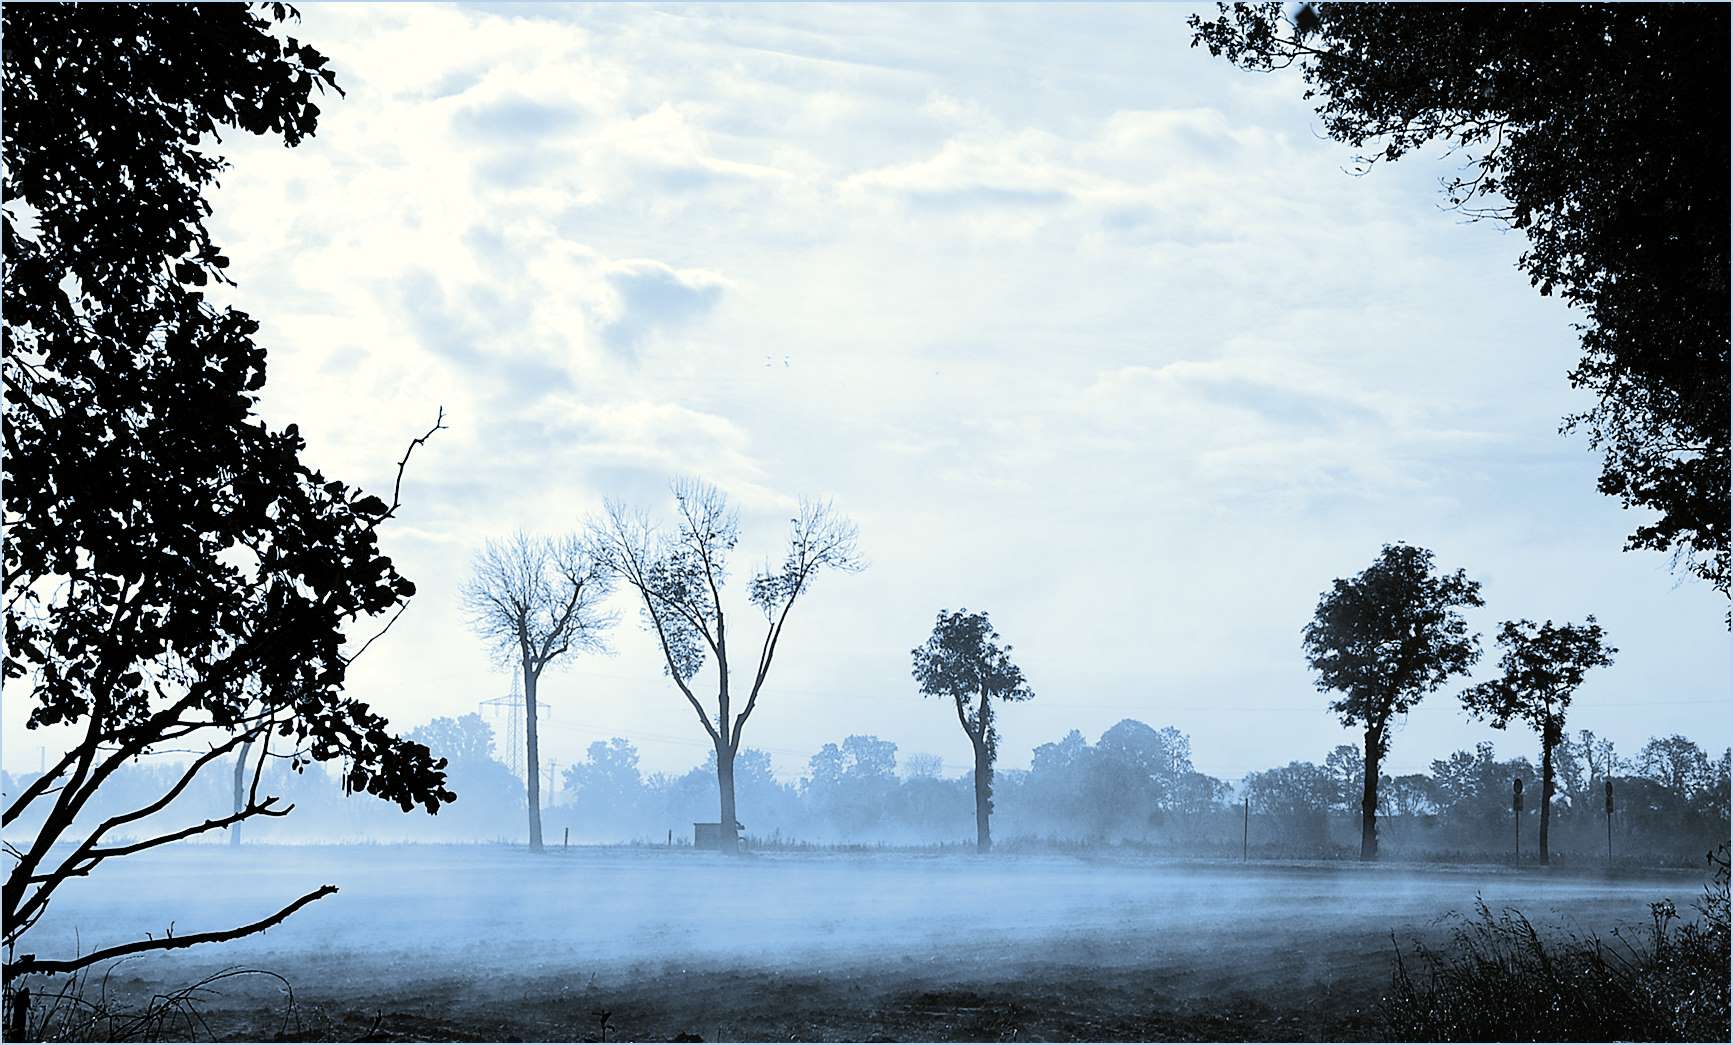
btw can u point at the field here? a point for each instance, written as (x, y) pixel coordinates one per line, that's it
(496, 943)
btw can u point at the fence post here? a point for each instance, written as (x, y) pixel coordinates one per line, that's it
(566, 842)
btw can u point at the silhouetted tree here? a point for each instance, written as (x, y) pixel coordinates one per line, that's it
(1676, 763)
(963, 660)
(1542, 667)
(1600, 130)
(678, 578)
(535, 600)
(1385, 638)
(175, 575)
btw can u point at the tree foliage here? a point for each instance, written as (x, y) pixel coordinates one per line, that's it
(1600, 132)
(1391, 634)
(964, 659)
(173, 570)
(1383, 639)
(1542, 666)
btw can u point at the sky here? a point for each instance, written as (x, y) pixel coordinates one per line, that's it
(1082, 327)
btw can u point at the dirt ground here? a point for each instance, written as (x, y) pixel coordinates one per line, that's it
(464, 944)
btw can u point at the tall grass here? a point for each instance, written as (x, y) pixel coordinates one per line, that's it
(1499, 980)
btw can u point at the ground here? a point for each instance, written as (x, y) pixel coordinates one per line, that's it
(497, 943)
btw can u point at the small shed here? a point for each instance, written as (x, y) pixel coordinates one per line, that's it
(709, 835)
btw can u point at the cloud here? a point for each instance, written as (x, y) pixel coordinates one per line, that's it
(651, 296)
(512, 118)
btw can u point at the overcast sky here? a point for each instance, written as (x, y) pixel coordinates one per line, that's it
(1082, 327)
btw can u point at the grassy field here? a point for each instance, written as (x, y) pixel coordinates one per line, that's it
(498, 943)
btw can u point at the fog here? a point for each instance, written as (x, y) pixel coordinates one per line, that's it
(417, 911)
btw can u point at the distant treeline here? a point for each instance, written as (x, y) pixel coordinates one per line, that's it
(1135, 784)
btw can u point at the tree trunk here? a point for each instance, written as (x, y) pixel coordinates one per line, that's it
(983, 797)
(240, 790)
(730, 837)
(533, 780)
(1369, 795)
(1547, 743)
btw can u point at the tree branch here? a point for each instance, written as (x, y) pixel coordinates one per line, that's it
(29, 964)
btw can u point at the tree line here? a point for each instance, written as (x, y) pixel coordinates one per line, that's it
(1133, 785)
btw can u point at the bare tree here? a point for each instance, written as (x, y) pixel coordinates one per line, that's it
(679, 576)
(534, 600)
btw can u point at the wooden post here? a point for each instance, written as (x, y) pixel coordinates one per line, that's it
(566, 843)
(1246, 831)
(1516, 810)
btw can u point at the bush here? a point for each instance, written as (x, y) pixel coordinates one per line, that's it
(1500, 981)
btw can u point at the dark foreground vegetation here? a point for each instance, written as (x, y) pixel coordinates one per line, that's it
(1500, 980)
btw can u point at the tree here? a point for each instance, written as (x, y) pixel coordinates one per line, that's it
(679, 577)
(175, 575)
(963, 660)
(1347, 765)
(492, 793)
(851, 785)
(1678, 764)
(1542, 667)
(535, 600)
(1600, 131)
(1297, 796)
(606, 787)
(923, 765)
(1385, 638)
(467, 738)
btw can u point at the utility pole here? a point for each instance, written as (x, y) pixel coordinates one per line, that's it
(1516, 808)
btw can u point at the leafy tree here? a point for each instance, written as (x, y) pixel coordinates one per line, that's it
(964, 660)
(1676, 763)
(175, 575)
(1296, 796)
(1542, 668)
(606, 788)
(1600, 131)
(535, 601)
(1385, 638)
(851, 785)
(923, 765)
(467, 738)
(491, 791)
(1347, 766)
(678, 578)
(1411, 794)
